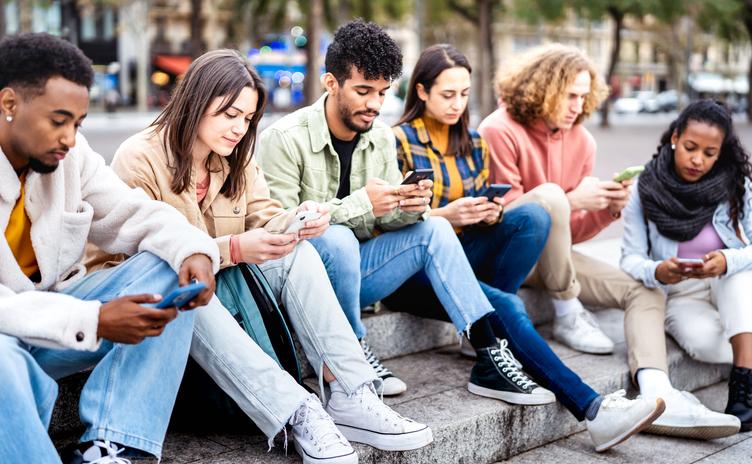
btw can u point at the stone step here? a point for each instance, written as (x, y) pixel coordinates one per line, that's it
(467, 428)
(651, 448)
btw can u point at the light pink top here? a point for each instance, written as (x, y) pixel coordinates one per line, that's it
(706, 241)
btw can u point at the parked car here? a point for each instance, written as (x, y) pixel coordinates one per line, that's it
(669, 100)
(627, 105)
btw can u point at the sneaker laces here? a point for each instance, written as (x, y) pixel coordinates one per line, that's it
(317, 425)
(509, 365)
(371, 402)
(616, 400)
(381, 371)
(112, 451)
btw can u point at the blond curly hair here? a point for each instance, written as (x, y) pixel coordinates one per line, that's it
(535, 83)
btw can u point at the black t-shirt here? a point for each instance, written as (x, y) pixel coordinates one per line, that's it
(344, 150)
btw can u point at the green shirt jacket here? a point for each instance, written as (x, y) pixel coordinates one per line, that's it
(300, 163)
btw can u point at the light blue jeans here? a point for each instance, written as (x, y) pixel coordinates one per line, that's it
(131, 391)
(365, 272)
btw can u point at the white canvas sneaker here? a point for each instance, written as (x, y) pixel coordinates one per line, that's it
(580, 331)
(317, 440)
(364, 418)
(619, 418)
(391, 384)
(686, 417)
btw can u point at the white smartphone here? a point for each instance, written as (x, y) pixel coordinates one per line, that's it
(690, 263)
(298, 222)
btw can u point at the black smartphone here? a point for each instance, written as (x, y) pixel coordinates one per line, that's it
(497, 190)
(417, 176)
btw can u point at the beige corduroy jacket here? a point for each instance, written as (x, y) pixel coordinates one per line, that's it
(143, 161)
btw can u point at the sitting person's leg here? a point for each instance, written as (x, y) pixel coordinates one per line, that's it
(28, 396)
(300, 281)
(129, 396)
(555, 272)
(339, 250)
(693, 321)
(263, 390)
(503, 255)
(730, 295)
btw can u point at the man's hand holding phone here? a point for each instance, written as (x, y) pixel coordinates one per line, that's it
(593, 194)
(126, 320)
(416, 197)
(198, 267)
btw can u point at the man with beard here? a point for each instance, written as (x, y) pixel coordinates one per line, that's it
(336, 152)
(55, 194)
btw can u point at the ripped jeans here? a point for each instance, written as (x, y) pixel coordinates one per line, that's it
(265, 392)
(365, 272)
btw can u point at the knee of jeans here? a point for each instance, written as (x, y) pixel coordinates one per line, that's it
(436, 229)
(337, 241)
(553, 199)
(535, 217)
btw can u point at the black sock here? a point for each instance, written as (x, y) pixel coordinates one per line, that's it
(481, 334)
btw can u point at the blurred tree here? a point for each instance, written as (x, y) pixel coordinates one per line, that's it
(730, 20)
(196, 46)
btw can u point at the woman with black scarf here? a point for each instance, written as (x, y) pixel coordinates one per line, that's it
(686, 230)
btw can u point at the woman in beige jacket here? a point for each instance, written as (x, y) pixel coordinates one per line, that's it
(197, 156)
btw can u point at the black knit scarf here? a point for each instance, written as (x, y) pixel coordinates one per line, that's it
(678, 208)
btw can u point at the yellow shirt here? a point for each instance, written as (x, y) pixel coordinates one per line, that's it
(439, 134)
(18, 235)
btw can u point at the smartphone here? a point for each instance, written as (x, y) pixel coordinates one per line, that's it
(181, 296)
(628, 173)
(497, 190)
(690, 263)
(418, 175)
(298, 222)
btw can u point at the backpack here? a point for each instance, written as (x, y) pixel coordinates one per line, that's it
(246, 294)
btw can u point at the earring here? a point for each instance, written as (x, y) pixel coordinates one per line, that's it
(9, 118)
(673, 147)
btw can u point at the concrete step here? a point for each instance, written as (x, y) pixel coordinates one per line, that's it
(467, 428)
(650, 448)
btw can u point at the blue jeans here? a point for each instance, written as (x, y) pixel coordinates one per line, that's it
(363, 273)
(502, 256)
(129, 395)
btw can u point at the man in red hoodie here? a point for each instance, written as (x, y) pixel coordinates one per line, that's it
(539, 145)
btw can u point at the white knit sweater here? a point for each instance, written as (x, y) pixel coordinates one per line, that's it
(82, 200)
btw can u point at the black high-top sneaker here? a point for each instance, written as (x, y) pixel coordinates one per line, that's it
(740, 396)
(497, 374)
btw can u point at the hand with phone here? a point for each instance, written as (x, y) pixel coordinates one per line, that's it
(468, 211)
(593, 194)
(417, 188)
(257, 246)
(198, 267)
(127, 320)
(714, 265)
(674, 270)
(311, 220)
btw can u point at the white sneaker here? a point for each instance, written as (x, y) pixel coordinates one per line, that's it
(686, 417)
(619, 418)
(317, 440)
(364, 418)
(391, 385)
(580, 331)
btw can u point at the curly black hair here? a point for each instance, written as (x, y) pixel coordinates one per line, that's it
(733, 155)
(367, 47)
(28, 61)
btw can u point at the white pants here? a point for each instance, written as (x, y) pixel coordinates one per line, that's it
(703, 314)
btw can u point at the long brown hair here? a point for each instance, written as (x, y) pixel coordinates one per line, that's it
(219, 73)
(432, 62)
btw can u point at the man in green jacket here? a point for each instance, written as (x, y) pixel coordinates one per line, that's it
(336, 152)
